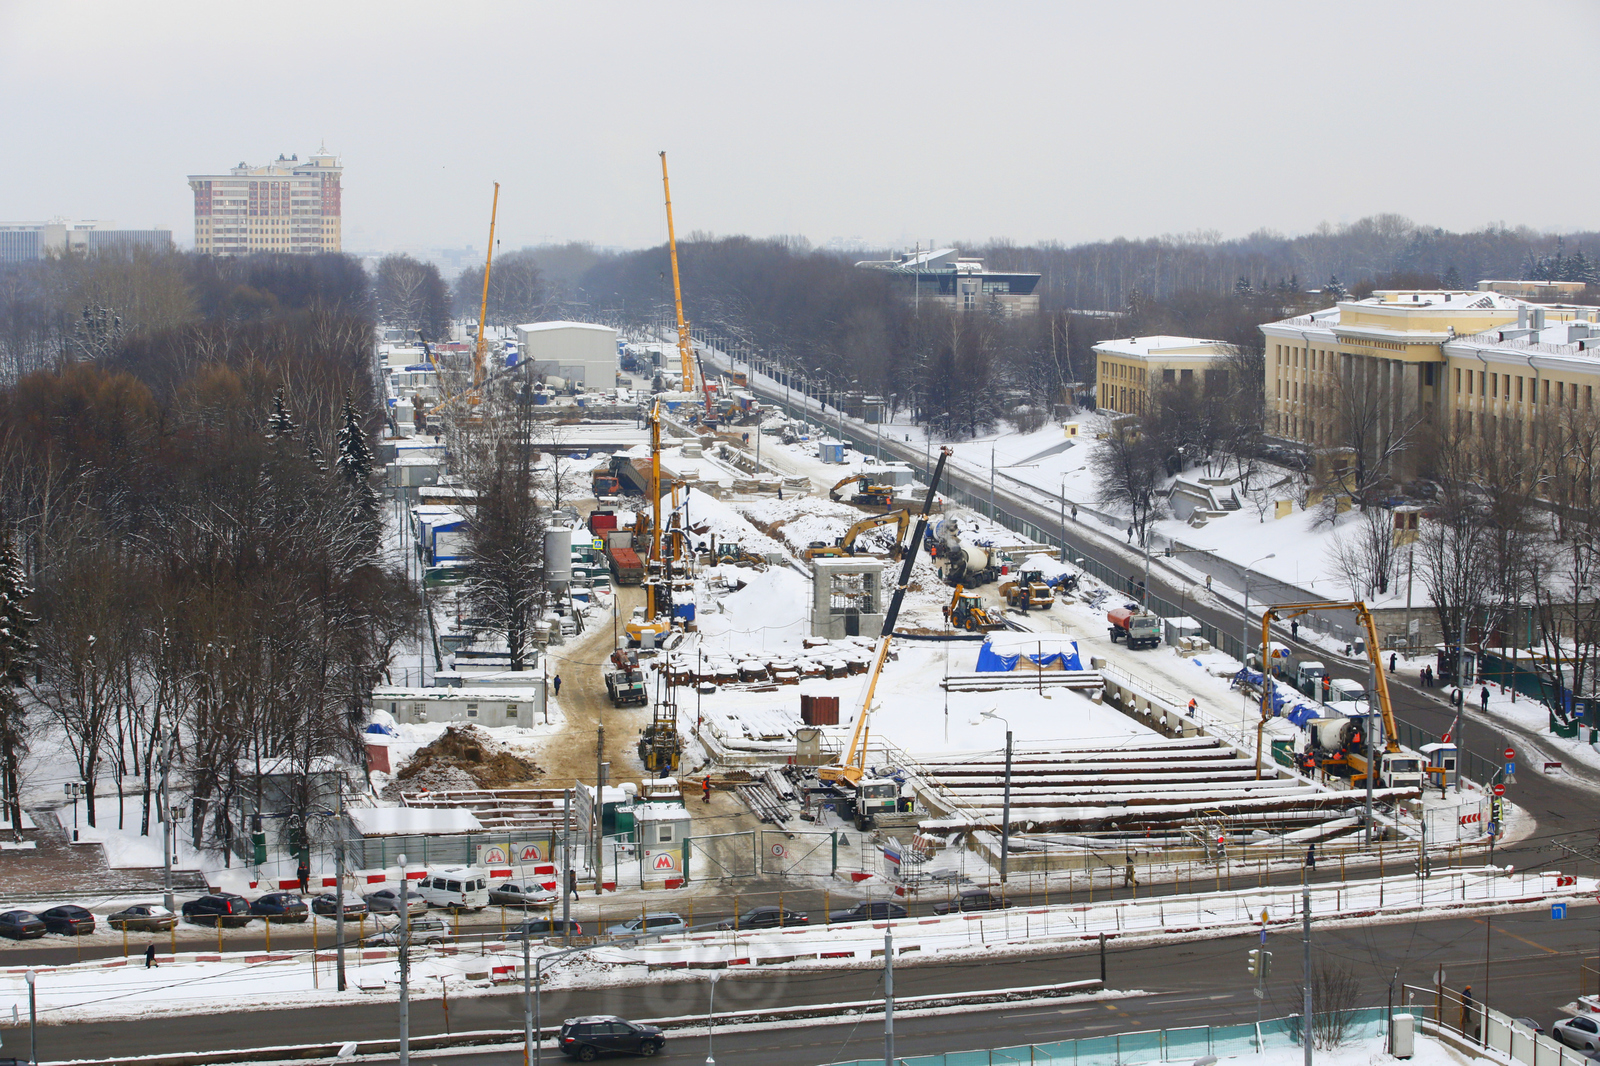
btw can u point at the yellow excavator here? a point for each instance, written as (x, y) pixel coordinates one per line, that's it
(1396, 768)
(846, 545)
(870, 798)
(966, 611)
(866, 494)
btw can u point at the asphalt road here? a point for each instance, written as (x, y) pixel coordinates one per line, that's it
(1534, 971)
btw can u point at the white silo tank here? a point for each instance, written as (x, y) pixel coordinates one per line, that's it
(558, 557)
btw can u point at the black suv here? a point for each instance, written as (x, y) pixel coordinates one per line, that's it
(868, 911)
(220, 908)
(766, 918)
(971, 899)
(281, 907)
(603, 1034)
(538, 928)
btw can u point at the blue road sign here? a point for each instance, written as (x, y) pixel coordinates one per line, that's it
(1558, 911)
(1494, 829)
(1511, 768)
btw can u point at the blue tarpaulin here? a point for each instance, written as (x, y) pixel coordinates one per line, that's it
(1062, 653)
(684, 611)
(1286, 702)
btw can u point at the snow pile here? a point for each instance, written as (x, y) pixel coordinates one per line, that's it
(773, 608)
(706, 516)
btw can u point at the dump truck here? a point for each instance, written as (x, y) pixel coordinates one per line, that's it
(624, 680)
(1303, 673)
(1027, 591)
(1139, 630)
(602, 522)
(626, 566)
(605, 484)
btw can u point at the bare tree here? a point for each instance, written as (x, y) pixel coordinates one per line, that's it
(1128, 466)
(412, 295)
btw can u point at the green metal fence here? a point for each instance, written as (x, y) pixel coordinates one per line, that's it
(1163, 1045)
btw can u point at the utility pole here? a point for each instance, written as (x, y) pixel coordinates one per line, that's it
(338, 874)
(1305, 936)
(1372, 691)
(991, 485)
(1005, 816)
(166, 823)
(1063, 520)
(566, 868)
(527, 996)
(33, 1022)
(1461, 687)
(888, 996)
(598, 814)
(405, 965)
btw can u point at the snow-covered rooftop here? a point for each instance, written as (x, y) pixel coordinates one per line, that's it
(413, 821)
(540, 327)
(1145, 347)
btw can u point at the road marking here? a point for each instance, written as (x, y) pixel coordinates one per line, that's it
(1044, 1013)
(1525, 940)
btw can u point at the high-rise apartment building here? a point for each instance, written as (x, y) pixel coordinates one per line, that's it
(286, 206)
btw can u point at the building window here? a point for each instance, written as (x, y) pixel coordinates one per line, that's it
(664, 834)
(511, 710)
(472, 710)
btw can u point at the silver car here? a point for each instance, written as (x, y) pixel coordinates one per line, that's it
(427, 929)
(1580, 1032)
(522, 894)
(387, 901)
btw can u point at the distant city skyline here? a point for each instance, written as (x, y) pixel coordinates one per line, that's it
(885, 124)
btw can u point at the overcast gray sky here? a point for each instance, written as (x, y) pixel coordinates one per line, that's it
(889, 122)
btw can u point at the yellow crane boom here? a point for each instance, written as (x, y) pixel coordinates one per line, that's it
(685, 347)
(478, 372)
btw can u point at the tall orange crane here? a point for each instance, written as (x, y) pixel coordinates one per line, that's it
(685, 348)
(478, 371)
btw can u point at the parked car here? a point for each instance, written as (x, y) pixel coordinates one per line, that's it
(1581, 1033)
(971, 899)
(328, 904)
(219, 908)
(766, 918)
(21, 925)
(1530, 1025)
(68, 920)
(523, 894)
(429, 929)
(538, 928)
(281, 907)
(868, 911)
(387, 901)
(650, 925)
(143, 918)
(606, 1034)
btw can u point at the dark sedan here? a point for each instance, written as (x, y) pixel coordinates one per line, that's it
(327, 904)
(280, 907)
(143, 918)
(868, 911)
(68, 920)
(971, 899)
(220, 908)
(21, 925)
(539, 928)
(766, 918)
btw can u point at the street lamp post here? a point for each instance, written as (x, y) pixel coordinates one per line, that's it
(1005, 814)
(405, 965)
(711, 1017)
(1244, 637)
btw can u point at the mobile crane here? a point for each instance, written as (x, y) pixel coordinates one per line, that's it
(685, 346)
(846, 545)
(870, 797)
(474, 394)
(1396, 768)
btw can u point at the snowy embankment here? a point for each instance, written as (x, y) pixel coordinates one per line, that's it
(211, 982)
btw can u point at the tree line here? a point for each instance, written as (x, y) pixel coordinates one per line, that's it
(191, 525)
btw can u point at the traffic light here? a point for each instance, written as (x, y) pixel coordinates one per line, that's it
(1255, 962)
(1260, 963)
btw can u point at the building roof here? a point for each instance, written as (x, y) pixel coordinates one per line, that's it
(413, 821)
(1146, 347)
(540, 327)
(465, 692)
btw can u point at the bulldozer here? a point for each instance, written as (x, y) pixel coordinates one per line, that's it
(846, 545)
(967, 612)
(1027, 591)
(866, 494)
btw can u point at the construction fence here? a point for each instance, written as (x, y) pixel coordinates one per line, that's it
(1461, 1012)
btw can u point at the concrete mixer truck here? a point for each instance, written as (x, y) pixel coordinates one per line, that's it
(960, 561)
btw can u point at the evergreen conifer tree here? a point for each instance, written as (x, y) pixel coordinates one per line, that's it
(355, 465)
(16, 659)
(280, 426)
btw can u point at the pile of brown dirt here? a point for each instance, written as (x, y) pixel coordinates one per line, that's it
(469, 750)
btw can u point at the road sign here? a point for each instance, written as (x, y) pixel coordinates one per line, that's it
(1494, 829)
(1446, 738)
(1499, 790)
(1260, 994)
(1511, 769)
(1558, 911)
(1565, 881)
(1439, 976)
(1511, 753)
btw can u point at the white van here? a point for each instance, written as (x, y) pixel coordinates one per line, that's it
(456, 888)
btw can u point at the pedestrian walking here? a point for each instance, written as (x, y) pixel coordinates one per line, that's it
(572, 884)
(557, 683)
(1208, 582)
(150, 957)
(1130, 534)
(1393, 659)
(1327, 685)
(1191, 706)
(1074, 512)
(1311, 856)
(1422, 677)
(705, 790)
(780, 492)
(303, 872)
(1130, 879)
(1483, 697)
(1294, 629)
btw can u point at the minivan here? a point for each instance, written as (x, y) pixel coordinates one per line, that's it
(456, 888)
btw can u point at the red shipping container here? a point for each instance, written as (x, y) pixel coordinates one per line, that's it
(819, 710)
